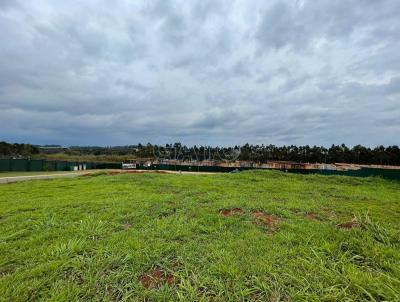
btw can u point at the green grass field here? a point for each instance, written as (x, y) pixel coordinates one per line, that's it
(251, 236)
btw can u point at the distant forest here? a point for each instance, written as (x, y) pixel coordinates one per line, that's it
(380, 155)
(18, 150)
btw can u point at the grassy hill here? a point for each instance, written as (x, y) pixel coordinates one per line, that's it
(251, 236)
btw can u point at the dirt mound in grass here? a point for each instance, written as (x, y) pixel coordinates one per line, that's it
(230, 212)
(135, 172)
(269, 221)
(113, 173)
(311, 216)
(157, 277)
(126, 226)
(146, 171)
(349, 225)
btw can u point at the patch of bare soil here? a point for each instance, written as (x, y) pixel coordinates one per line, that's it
(113, 173)
(146, 171)
(230, 212)
(327, 210)
(349, 225)
(270, 221)
(126, 226)
(74, 276)
(311, 216)
(157, 277)
(4, 271)
(162, 172)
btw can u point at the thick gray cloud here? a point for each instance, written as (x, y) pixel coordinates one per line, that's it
(200, 72)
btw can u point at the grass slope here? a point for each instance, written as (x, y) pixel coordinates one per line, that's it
(175, 237)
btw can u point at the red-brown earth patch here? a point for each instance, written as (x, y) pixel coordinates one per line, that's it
(349, 225)
(157, 277)
(145, 171)
(230, 212)
(312, 216)
(269, 221)
(113, 173)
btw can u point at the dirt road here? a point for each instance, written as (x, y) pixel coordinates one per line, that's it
(10, 179)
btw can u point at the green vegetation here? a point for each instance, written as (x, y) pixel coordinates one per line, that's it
(256, 235)
(7, 149)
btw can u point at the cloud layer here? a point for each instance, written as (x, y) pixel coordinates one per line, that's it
(200, 72)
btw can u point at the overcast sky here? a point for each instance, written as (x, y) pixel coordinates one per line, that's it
(200, 72)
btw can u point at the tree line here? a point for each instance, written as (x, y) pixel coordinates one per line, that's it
(358, 154)
(17, 150)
